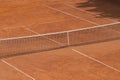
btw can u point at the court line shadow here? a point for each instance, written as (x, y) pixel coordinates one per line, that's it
(104, 8)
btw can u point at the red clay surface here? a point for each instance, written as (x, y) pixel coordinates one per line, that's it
(66, 64)
(98, 61)
(7, 73)
(16, 17)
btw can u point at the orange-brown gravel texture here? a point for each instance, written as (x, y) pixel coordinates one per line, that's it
(46, 16)
(64, 64)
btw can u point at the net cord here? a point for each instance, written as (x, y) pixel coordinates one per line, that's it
(55, 33)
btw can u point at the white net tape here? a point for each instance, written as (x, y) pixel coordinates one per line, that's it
(42, 42)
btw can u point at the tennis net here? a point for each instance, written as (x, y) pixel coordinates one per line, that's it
(42, 42)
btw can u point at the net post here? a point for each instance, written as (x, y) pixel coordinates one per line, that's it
(68, 39)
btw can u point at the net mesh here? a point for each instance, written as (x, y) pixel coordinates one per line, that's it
(35, 43)
(93, 35)
(12, 47)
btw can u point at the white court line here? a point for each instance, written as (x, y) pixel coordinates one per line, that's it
(42, 36)
(96, 60)
(87, 12)
(78, 9)
(72, 15)
(35, 24)
(93, 27)
(18, 69)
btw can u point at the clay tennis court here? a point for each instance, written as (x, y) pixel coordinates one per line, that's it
(57, 40)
